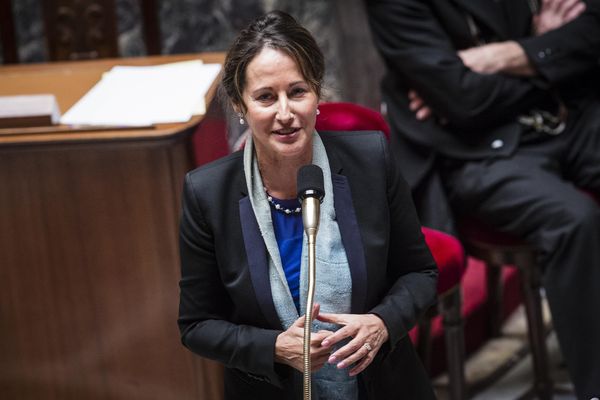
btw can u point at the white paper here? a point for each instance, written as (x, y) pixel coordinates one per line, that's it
(138, 96)
(30, 105)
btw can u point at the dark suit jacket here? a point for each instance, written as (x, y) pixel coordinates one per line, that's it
(227, 312)
(419, 41)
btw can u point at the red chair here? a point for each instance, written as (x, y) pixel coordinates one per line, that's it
(497, 249)
(350, 117)
(446, 250)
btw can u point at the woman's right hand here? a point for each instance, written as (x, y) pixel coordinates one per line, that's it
(289, 348)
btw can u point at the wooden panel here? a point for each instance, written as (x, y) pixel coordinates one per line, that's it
(89, 262)
(88, 284)
(7, 33)
(80, 29)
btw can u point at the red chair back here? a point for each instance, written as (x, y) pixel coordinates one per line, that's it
(446, 250)
(350, 117)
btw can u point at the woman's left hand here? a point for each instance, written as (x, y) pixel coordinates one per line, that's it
(368, 333)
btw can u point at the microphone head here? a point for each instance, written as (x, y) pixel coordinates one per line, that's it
(310, 182)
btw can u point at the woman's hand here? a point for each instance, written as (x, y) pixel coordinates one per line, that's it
(368, 333)
(289, 346)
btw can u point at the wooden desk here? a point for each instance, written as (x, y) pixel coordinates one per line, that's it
(89, 262)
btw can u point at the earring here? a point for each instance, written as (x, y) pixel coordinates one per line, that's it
(318, 111)
(242, 122)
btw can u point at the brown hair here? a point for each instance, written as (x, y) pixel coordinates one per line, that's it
(279, 31)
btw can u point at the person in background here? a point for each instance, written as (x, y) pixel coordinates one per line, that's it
(495, 111)
(243, 252)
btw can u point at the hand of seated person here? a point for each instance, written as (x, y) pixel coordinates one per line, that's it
(501, 57)
(555, 13)
(420, 108)
(417, 105)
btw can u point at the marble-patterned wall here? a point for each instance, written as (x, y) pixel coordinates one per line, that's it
(29, 29)
(340, 27)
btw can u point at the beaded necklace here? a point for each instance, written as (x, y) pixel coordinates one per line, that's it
(279, 207)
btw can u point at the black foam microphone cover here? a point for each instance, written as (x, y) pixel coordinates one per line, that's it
(310, 182)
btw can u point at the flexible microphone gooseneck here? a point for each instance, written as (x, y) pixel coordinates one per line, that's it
(310, 193)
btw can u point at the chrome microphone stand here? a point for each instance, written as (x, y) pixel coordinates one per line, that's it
(310, 192)
(310, 218)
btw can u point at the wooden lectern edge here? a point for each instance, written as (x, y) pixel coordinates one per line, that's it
(59, 134)
(62, 134)
(105, 63)
(60, 128)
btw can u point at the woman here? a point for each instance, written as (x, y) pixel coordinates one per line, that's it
(243, 284)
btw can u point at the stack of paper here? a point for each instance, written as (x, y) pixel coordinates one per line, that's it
(28, 110)
(139, 96)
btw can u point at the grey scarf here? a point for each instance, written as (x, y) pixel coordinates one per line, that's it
(333, 289)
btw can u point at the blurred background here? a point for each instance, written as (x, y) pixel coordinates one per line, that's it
(188, 26)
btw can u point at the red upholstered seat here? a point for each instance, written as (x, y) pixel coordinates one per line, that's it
(350, 117)
(497, 249)
(475, 310)
(446, 250)
(209, 140)
(449, 256)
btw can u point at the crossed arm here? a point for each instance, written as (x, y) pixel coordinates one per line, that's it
(508, 57)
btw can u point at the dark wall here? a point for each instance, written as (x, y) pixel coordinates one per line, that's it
(353, 67)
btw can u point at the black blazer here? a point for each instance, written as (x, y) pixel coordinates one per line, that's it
(419, 40)
(226, 310)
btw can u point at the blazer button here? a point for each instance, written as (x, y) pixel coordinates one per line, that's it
(496, 144)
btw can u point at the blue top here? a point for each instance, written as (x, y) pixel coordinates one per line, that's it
(288, 232)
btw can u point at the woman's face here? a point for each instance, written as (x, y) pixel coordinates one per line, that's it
(281, 107)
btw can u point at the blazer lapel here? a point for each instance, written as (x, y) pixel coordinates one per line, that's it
(256, 250)
(351, 239)
(350, 232)
(258, 264)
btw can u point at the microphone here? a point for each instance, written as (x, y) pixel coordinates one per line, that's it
(310, 192)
